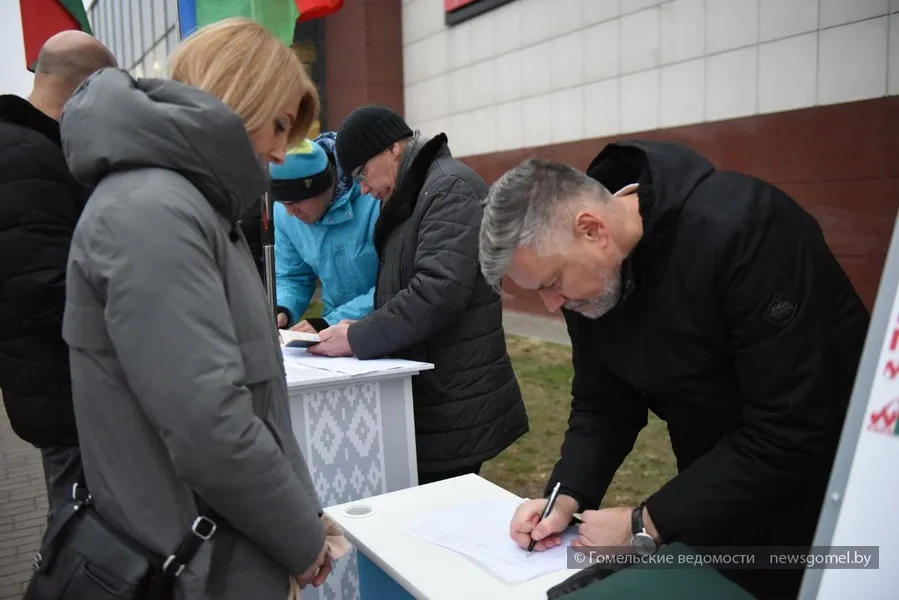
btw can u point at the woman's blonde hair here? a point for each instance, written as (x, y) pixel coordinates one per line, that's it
(244, 65)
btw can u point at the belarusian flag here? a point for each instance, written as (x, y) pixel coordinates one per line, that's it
(42, 19)
(278, 16)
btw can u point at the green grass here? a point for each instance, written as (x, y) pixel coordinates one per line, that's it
(314, 310)
(544, 373)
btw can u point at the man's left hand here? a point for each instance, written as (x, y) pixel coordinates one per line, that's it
(610, 528)
(334, 342)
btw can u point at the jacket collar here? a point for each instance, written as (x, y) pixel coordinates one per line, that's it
(18, 111)
(341, 209)
(401, 203)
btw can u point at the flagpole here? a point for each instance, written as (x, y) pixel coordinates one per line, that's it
(268, 252)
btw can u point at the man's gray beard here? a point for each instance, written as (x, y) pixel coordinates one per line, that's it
(597, 307)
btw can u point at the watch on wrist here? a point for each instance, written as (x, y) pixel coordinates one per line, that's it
(641, 541)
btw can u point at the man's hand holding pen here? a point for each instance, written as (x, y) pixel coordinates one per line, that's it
(527, 525)
(605, 528)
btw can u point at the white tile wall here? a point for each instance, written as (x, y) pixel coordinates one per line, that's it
(537, 72)
(639, 102)
(731, 84)
(852, 61)
(893, 77)
(602, 112)
(778, 19)
(567, 115)
(731, 24)
(598, 11)
(682, 30)
(638, 41)
(839, 12)
(788, 73)
(682, 93)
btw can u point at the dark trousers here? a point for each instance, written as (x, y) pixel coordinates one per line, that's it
(426, 477)
(62, 469)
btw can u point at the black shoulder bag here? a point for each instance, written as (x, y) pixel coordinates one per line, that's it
(83, 557)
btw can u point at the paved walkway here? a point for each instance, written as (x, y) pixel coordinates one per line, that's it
(549, 329)
(23, 509)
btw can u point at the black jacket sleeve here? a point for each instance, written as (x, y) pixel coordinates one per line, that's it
(446, 266)
(773, 271)
(35, 247)
(606, 417)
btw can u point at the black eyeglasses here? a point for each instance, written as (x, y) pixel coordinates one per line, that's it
(360, 174)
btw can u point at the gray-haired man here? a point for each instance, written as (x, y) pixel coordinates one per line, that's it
(711, 299)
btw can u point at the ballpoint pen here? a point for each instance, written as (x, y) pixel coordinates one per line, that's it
(546, 512)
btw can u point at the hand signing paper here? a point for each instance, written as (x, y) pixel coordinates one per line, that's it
(526, 523)
(334, 342)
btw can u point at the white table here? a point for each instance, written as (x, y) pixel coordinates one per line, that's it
(357, 433)
(398, 566)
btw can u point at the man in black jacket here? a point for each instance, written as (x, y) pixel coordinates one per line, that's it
(709, 298)
(40, 204)
(431, 302)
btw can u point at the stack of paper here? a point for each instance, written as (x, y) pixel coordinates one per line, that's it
(480, 531)
(347, 365)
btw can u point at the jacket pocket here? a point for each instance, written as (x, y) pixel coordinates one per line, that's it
(262, 368)
(84, 327)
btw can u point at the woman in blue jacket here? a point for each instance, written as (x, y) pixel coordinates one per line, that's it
(324, 228)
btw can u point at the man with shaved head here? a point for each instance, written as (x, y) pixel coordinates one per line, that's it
(40, 204)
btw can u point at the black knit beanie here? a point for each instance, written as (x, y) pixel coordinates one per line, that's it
(366, 132)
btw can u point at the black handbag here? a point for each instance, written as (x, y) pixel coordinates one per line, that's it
(83, 557)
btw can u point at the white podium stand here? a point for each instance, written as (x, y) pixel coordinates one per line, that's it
(398, 566)
(357, 433)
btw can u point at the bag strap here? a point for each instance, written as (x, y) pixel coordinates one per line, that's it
(43, 558)
(201, 531)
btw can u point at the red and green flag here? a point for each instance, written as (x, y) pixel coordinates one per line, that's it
(278, 16)
(42, 19)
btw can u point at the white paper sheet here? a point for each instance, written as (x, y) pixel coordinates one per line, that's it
(297, 372)
(347, 365)
(480, 531)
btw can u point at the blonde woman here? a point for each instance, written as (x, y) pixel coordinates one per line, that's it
(178, 384)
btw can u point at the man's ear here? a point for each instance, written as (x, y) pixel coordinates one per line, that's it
(590, 226)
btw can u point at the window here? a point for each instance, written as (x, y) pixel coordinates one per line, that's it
(160, 62)
(148, 37)
(147, 65)
(128, 58)
(115, 28)
(93, 18)
(105, 9)
(173, 40)
(160, 26)
(171, 12)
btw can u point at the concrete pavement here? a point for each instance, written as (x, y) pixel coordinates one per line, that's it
(548, 329)
(23, 509)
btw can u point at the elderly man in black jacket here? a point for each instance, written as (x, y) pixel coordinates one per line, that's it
(709, 298)
(431, 302)
(40, 204)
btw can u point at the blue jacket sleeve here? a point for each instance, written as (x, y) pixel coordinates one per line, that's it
(363, 304)
(294, 279)
(353, 310)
